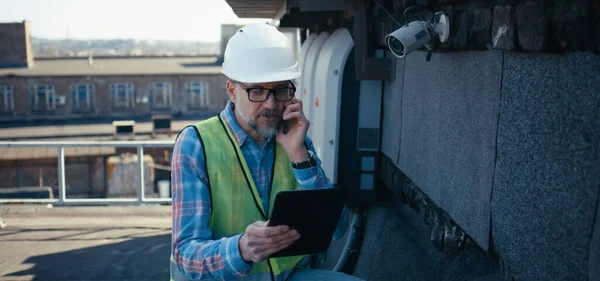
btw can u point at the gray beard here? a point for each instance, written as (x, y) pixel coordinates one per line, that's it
(263, 132)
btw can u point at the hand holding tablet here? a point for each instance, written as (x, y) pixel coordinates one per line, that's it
(313, 214)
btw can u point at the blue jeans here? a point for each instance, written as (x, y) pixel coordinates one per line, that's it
(319, 275)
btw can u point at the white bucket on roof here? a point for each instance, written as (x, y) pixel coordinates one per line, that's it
(122, 175)
(164, 188)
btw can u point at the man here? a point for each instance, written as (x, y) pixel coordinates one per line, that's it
(227, 170)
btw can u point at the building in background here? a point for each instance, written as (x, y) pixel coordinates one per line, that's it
(102, 87)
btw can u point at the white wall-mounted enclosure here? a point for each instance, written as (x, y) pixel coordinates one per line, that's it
(308, 75)
(322, 104)
(301, 63)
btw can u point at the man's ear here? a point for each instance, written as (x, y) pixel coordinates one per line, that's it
(231, 90)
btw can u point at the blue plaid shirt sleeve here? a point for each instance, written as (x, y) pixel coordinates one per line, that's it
(313, 177)
(196, 255)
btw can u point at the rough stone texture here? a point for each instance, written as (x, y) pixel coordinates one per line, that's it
(392, 113)
(532, 26)
(425, 2)
(595, 26)
(402, 4)
(397, 247)
(460, 38)
(518, 26)
(594, 259)
(445, 235)
(572, 24)
(547, 179)
(449, 118)
(481, 28)
(503, 29)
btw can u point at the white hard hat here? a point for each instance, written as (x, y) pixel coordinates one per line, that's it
(259, 53)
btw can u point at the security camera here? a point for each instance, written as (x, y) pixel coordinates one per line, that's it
(417, 34)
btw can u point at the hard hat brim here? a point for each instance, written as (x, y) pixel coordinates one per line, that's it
(263, 78)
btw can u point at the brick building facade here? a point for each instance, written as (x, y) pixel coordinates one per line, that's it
(72, 97)
(102, 87)
(33, 94)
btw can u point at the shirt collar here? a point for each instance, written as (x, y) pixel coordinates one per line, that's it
(229, 118)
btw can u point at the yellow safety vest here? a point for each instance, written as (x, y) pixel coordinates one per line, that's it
(235, 200)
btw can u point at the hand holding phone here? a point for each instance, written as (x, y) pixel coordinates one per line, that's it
(291, 131)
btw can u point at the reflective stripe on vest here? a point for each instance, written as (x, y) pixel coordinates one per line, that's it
(235, 199)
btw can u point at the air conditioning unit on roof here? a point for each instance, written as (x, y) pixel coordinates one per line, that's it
(61, 99)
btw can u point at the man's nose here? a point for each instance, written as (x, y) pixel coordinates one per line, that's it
(270, 103)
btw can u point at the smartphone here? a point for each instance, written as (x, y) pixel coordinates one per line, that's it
(284, 125)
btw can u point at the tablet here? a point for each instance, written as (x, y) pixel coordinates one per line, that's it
(313, 213)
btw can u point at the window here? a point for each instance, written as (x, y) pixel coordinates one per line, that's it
(198, 93)
(43, 97)
(121, 95)
(83, 97)
(6, 98)
(161, 94)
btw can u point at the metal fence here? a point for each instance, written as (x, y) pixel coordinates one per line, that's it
(60, 145)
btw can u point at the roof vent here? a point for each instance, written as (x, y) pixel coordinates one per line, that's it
(124, 128)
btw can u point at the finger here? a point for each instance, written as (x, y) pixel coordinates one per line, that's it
(294, 115)
(273, 240)
(266, 250)
(270, 240)
(290, 240)
(292, 108)
(266, 231)
(255, 224)
(296, 100)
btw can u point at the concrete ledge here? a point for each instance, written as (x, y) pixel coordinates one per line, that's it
(84, 211)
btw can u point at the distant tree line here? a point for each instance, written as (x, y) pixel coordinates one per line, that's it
(121, 47)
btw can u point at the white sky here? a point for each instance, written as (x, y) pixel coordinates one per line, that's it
(197, 20)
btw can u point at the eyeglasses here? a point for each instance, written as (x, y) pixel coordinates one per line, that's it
(281, 94)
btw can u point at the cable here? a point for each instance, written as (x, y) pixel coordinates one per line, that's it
(390, 15)
(418, 6)
(348, 248)
(434, 15)
(407, 10)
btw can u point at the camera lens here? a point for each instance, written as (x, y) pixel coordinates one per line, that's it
(396, 46)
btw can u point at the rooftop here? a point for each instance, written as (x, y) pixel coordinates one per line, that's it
(89, 132)
(117, 66)
(30, 153)
(80, 130)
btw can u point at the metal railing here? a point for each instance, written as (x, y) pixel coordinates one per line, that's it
(60, 145)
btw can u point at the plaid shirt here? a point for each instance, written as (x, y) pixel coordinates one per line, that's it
(196, 252)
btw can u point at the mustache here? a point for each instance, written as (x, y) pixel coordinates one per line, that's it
(268, 112)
